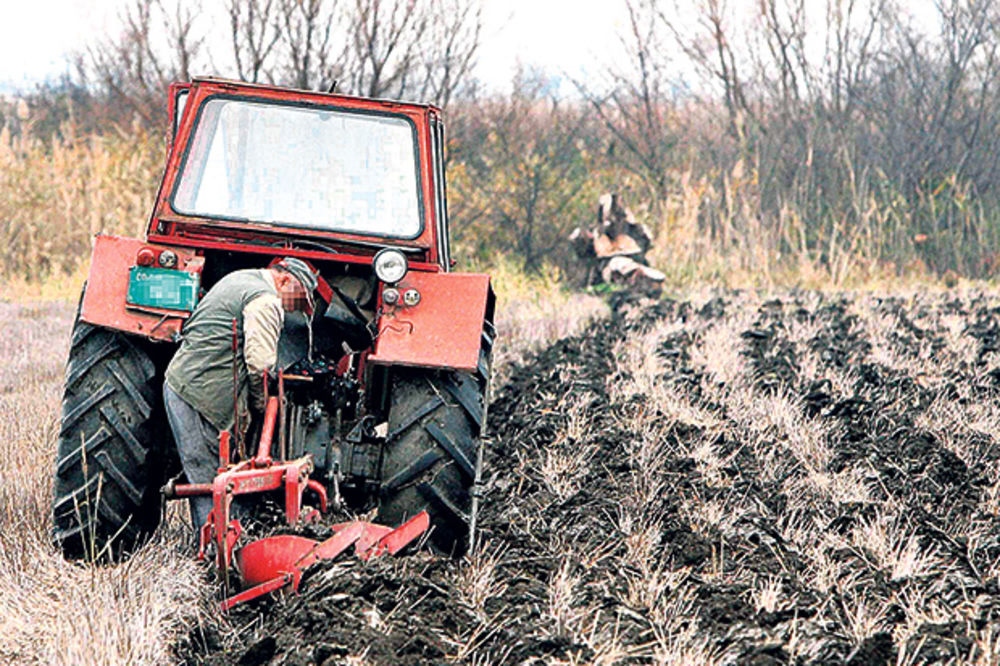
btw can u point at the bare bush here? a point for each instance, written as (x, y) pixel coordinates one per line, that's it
(159, 43)
(520, 174)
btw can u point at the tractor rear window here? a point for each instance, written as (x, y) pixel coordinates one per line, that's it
(302, 167)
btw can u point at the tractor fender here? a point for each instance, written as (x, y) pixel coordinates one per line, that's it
(443, 330)
(106, 301)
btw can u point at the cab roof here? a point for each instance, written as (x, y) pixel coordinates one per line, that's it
(233, 86)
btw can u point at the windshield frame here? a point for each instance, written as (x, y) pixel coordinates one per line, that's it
(271, 101)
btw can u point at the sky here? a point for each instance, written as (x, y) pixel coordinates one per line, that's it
(36, 36)
(561, 37)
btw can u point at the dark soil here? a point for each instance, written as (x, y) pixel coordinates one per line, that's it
(579, 540)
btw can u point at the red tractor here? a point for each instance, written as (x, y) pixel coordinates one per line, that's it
(379, 402)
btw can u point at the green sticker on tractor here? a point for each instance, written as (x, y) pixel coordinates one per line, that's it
(162, 288)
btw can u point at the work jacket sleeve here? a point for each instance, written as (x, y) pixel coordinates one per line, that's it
(263, 318)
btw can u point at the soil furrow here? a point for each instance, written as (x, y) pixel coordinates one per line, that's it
(810, 479)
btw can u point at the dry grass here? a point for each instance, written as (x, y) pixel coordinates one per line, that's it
(54, 197)
(56, 612)
(53, 611)
(711, 226)
(534, 311)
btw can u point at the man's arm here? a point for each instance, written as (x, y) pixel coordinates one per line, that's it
(263, 318)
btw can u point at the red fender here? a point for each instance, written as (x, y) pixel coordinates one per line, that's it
(443, 330)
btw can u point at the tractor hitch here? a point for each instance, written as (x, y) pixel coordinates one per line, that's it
(272, 563)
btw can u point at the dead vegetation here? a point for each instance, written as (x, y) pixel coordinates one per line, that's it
(53, 611)
(55, 195)
(809, 478)
(57, 612)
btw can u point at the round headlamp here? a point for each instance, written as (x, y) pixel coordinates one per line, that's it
(390, 265)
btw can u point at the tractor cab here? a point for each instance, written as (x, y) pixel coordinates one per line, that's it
(257, 165)
(354, 186)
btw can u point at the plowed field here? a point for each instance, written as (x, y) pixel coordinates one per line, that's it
(810, 479)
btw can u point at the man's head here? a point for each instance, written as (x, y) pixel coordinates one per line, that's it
(296, 283)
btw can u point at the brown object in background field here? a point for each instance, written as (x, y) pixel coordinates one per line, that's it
(614, 251)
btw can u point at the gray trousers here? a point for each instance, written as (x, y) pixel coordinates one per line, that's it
(198, 446)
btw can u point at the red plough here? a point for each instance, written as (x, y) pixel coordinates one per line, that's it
(272, 563)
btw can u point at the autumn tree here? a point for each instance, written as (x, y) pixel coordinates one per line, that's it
(520, 173)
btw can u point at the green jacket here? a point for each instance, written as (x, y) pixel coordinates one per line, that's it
(201, 372)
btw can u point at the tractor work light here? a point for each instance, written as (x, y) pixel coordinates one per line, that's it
(411, 297)
(390, 265)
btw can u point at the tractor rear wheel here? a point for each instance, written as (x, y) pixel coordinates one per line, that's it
(105, 500)
(431, 453)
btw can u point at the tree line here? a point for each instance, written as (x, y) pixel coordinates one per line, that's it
(841, 137)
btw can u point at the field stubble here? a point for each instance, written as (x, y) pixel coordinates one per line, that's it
(53, 611)
(807, 479)
(57, 612)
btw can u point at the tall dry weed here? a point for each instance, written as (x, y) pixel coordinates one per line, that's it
(55, 195)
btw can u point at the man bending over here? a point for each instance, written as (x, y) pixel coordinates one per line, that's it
(198, 391)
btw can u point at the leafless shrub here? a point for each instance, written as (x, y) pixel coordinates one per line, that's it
(309, 57)
(519, 173)
(377, 48)
(159, 43)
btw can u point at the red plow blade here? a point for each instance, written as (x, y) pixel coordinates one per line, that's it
(272, 563)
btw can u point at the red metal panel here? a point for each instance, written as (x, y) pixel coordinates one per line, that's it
(104, 301)
(444, 330)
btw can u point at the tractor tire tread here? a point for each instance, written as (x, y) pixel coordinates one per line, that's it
(411, 471)
(430, 457)
(105, 498)
(466, 391)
